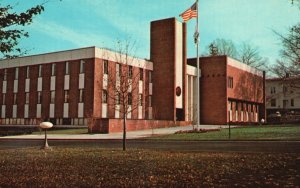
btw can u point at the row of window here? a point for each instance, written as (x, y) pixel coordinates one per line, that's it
(117, 98)
(242, 106)
(130, 71)
(33, 121)
(40, 97)
(53, 70)
(285, 103)
(284, 90)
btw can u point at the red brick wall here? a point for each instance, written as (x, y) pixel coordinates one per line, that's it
(74, 67)
(89, 105)
(162, 54)
(98, 85)
(246, 86)
(135, 92)
(46, 74)
(59, 90)
(146, 94)
(111, 100)
(116, 125)
(213, 90)
(21, 92)
(33, 90)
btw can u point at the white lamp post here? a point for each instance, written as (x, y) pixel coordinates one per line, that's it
(45, 126)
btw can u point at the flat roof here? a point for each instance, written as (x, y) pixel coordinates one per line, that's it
(76, 54)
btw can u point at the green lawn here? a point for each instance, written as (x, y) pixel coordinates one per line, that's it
(96, 167)
(291, 132)
(64, 131)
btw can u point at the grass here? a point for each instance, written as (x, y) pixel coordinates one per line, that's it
(96, 167)
(64, 131)
(291, 132)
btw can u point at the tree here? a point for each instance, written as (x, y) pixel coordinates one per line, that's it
(250, 56)
(290, 53)
(246, 54)
(123, 84)
(297, 2)
(223, 47)
(213, 50)
(11, 23)
(291, 46)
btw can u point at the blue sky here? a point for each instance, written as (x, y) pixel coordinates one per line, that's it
(69, 24)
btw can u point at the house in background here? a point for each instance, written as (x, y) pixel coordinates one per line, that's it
(283, 95)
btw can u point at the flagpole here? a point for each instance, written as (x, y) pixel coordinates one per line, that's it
(198, 67)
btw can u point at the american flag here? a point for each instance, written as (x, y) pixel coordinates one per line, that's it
(190, 13)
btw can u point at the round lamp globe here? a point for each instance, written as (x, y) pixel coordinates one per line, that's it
(46, 125)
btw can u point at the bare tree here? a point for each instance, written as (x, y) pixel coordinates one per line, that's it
(291, 46)
(123, 85)
(246, 54)
(223, 47)
(250, 56)
(290, 52)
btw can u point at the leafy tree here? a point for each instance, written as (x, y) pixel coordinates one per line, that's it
(11, 23)
(213, 50)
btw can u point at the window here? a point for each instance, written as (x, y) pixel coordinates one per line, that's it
(292, 102)
(82, 66)
(150, 101)
(285, 103)
(118, 98)
(118, 69)
(16, 73)
(67, 71)
(81, 95)
(5, 74)
(104, 96)
(230, 82)
(284, 89)
(66, 99)
(150, 76)
(40, 70)
(53, 69)
(105, 66)
(15, 98)
(52, 97)
(130, 71)
(26, 98)
(273, 90)
(140, 100)
(39, 97)
(27, 72)
(3, 98)
(141, 74)
(129, 98)
(229, 105)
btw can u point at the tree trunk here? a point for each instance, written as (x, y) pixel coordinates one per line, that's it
(124, 132)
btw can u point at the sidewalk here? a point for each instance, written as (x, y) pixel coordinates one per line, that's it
(130, 134)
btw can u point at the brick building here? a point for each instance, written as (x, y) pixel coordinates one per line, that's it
(230, 91)
(72, 88)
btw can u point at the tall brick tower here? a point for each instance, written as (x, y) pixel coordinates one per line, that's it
(168, 54)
